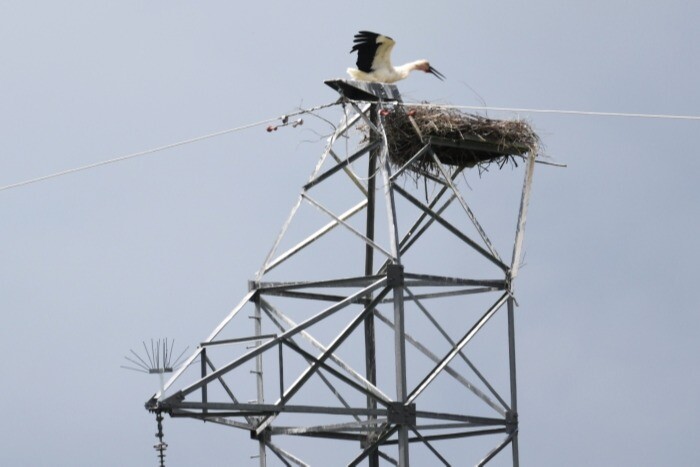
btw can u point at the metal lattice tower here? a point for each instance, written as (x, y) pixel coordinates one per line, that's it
(362, 348)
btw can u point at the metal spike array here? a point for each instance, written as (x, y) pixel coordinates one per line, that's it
(156, 359)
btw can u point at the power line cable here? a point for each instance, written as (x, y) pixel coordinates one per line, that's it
(562, 112)
(161, 148)
(303, 111)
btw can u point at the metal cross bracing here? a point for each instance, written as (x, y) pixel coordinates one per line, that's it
(358, 354)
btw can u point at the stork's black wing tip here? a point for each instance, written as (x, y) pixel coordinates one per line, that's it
(366, 36)
(366, 45)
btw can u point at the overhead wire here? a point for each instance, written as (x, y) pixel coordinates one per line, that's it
(162, 148)
(560, 112)
(323, 106)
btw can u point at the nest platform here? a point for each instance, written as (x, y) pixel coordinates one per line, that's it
(457, 138)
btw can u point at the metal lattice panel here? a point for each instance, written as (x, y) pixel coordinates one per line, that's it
(352, 341)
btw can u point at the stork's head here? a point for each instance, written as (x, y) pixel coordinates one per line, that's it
(423, 65)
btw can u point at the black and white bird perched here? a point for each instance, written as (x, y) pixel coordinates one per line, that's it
(374, 60)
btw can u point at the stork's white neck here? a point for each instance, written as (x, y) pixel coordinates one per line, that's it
(389, 74)
(406, 68)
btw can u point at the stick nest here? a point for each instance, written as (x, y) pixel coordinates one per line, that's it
(459, 139)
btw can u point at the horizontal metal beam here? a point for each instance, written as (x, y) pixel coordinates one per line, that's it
(221, 409)
(222, 421)
(357, 281)
(474, 420)
(331, 435)
(463, 434)
(215, 408)
(451, 293)
(310, 296)
(239, 340)
(426, 296)
(361, 425)
(446, 281)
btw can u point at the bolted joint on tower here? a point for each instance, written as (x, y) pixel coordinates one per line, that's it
(511, 422)
(394, 275)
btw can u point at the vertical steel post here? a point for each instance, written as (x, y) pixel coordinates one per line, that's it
(513, 415)
(515, 266)
(395, 276)
(203, 367)
(370, 347)
(400, 352)
(257, 318)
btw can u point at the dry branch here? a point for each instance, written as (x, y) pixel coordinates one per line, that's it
(458, 138)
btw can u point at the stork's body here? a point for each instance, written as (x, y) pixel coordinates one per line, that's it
(374, 60)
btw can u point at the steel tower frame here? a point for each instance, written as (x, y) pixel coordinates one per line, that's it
(206, 387)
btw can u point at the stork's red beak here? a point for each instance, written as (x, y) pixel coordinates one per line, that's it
(439, 75)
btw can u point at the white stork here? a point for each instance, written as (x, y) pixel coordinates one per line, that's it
(374, 60)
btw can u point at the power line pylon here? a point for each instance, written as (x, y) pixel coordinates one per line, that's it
(379, 393)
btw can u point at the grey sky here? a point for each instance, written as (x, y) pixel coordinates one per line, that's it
(94, 263)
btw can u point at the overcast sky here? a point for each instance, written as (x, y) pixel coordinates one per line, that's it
(93, 263)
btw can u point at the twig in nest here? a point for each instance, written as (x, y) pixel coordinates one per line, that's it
(459, 139)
